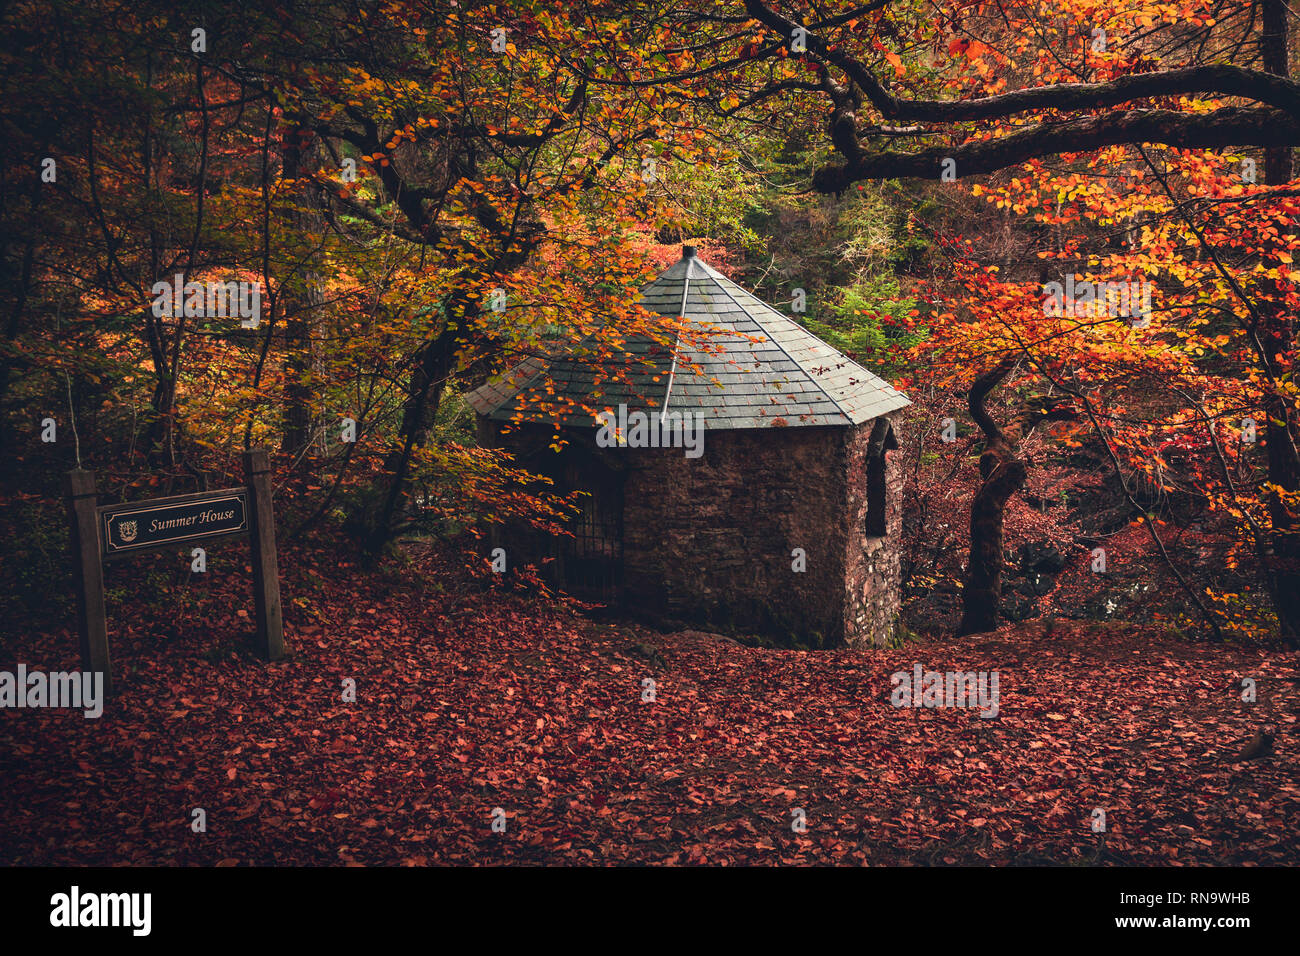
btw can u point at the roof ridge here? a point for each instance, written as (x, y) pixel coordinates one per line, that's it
(677, 337)
(793, 361)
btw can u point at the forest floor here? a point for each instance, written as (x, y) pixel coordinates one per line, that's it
(471, 699)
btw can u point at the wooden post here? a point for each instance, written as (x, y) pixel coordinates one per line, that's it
(89, 573)
(266, 570)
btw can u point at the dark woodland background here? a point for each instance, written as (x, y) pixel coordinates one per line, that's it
(380, 169)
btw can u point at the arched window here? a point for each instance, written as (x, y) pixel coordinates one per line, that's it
(882, 440)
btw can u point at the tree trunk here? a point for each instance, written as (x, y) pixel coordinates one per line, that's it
(424, 394)
(982, 594)
(1002, 474)
(301, 295)
(1278, 337)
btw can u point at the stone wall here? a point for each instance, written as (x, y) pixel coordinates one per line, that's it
(708, 540)
(873, 565)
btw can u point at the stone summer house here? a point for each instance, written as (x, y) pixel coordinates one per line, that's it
(794, 472)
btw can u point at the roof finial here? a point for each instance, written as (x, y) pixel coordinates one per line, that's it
(688, 252)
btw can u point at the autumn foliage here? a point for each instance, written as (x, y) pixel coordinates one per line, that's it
(1066, 230)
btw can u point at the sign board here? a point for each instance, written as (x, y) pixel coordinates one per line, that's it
(166, 522)
(105, 532)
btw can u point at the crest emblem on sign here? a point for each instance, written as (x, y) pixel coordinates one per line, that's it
(127, 530)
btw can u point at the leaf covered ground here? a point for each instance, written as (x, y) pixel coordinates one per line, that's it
(471, 699)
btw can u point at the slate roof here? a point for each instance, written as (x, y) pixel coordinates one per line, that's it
(759, 366)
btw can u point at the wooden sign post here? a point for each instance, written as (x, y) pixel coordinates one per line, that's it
(113, 531)
(89, 573)
(266, 569)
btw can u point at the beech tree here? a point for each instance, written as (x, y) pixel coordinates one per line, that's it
(415, 191)
(947, 92)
